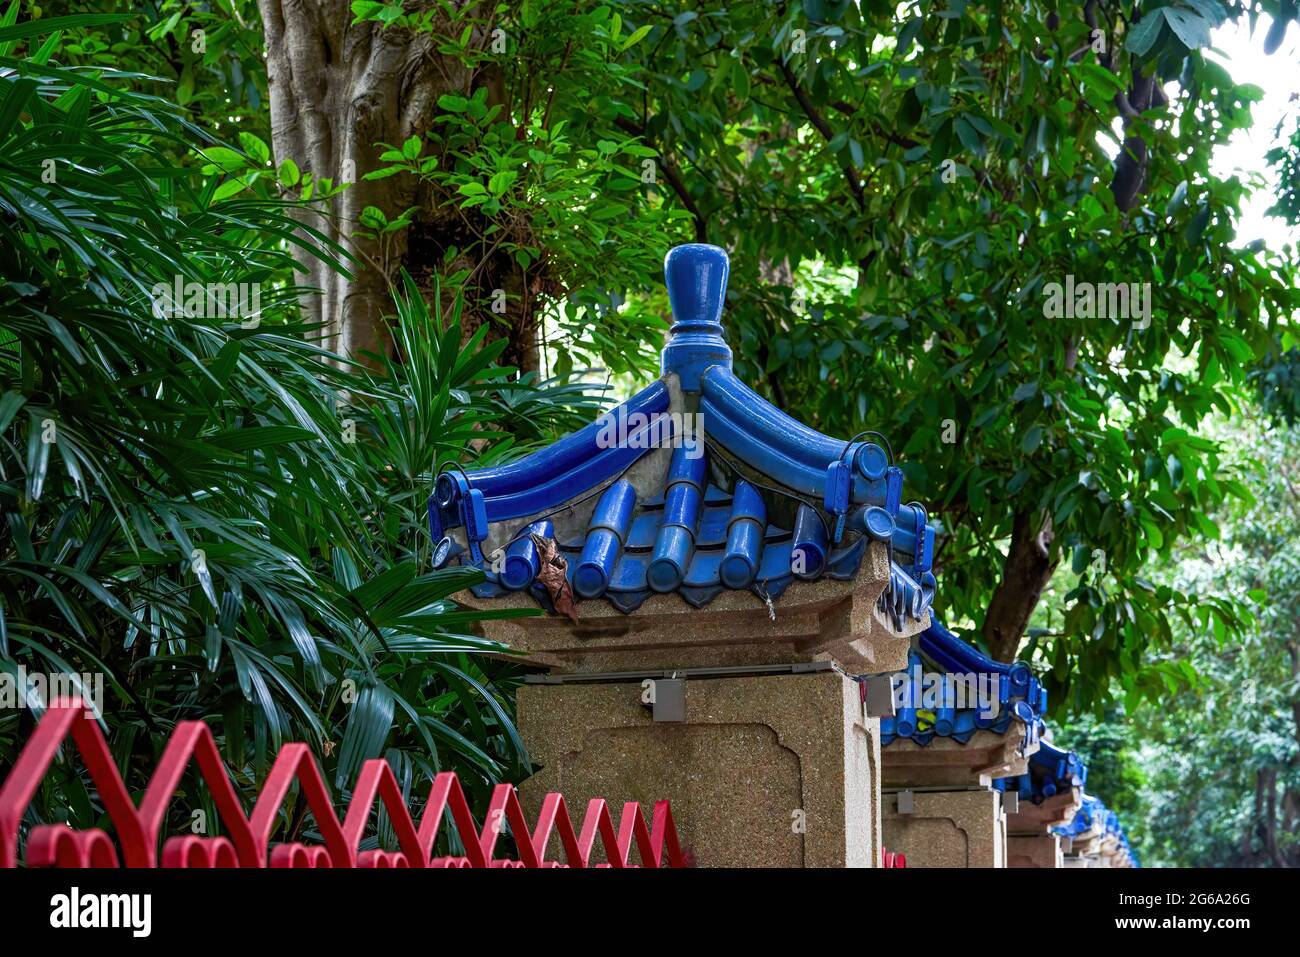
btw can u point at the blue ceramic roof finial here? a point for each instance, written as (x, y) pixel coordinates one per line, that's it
(696, 274)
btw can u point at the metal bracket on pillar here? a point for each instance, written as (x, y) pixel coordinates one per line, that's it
(878, 696)
(906, 802)
(667, 698)
(1067, 845)
(1011, 802)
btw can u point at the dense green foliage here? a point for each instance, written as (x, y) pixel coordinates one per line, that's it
(201, 506)
(897, 194)
(1212, 775)
(228, 520)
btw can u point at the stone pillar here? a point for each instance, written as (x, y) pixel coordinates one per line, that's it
(947, 828)
(770, 760)
(1030, 842)
(764, 771)
(1033, 850)
(956, 819)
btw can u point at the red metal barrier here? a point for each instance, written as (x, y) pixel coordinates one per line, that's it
(249, 840)
(891, 860)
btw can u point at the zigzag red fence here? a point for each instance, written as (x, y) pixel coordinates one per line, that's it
(249, 842)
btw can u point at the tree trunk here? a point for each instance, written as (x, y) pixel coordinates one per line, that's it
(1293, 651)
(1290, 814)
(1255, 828)
(1131, 165)
(337, 90)
(1025, 574)
(1270, 818)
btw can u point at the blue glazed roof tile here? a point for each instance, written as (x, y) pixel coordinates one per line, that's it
(694, 486)
(1089, 816)
(1051, 772)
(1095, 819)
(940, 651)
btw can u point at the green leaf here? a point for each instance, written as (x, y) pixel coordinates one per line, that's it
(225, 159)
(13, 32)
(1025, 390)
(231, 187)
(909, 111)
(501, 182)
(636, 36)
(969, 137)
(1192, 29)
(1196, 227)
(255, 147)
(1142, 36)
(289, 174)
(1176, 200)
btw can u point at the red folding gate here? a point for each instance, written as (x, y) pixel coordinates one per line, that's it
(248, 843)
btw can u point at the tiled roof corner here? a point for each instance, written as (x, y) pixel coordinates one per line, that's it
(1019, 695)
(1096, 825)
(1052, 771)
(694, 486)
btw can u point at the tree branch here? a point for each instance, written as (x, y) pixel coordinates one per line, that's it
(674, 178)
(819, 123)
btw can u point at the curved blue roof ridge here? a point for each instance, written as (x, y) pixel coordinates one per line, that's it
(1020, 695)
(546, 478)
(770, 442)
(957, 656)
(747, 498)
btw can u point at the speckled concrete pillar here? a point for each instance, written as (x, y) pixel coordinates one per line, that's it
(765, 771)
(1038, 850)
(948, 828)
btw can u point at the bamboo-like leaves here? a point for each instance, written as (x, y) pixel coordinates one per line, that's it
(220, 516)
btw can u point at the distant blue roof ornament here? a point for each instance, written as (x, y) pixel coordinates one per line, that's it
(1092, 816)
